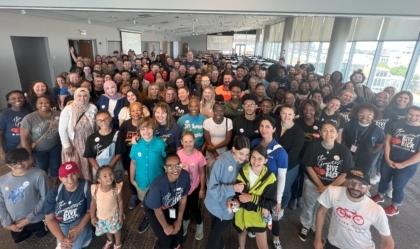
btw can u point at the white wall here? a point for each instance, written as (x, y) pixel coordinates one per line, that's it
(195, 43)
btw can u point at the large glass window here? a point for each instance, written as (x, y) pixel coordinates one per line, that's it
(245, 39)
(393, 64)
(295, 55)
(363, 57)
(322, 58)
(313, 52)
(414, 85)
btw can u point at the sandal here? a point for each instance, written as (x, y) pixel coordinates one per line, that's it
(117, 246)
(108, 244)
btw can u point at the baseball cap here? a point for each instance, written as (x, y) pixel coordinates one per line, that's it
(358, 174)
(67, 168)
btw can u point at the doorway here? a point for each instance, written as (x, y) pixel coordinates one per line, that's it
(84, 48)
(32, 47)
(240, 49)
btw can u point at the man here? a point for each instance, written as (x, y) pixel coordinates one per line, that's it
(125, 75)
(357, 78)
(273, 69)
(214, 78)
(172, 78)
(144, 62)
(146, 56)
(209, 61)
(224, 89)
(240, 75)
(190, 61)
(352, 216)
(98, 88)
(151, 76)
(137, 65)
(111, 66)
(291, 74)
(281, 80)
(120, 66)
(86, 61)
(261, 75)
(131, 56)
(182, 70)
(248, 123)
(127, 65)
(222, 63)
(116, 54)
(177, 64)
(216, 61)
(22, 195)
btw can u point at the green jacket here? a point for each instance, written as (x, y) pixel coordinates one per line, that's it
(264, 195)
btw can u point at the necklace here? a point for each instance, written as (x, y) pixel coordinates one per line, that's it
(68, 196)
(327, 147)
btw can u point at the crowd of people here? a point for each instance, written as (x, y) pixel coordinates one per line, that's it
(247, 141)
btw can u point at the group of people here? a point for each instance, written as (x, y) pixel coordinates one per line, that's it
(249, 143)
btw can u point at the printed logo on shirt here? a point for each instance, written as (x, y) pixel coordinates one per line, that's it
(327, 170)
(69, 213)
(139, 154)
(230, 168)
(347, 214)
(169, 200)
(404, 141)
(16, 130)
(98, 148)
(241, 130)
(381, 123)
(18, 193)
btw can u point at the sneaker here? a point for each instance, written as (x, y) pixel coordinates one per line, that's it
(199, 232)
(389, 193)
(251, 235)
(277, 244)
(391, 210)
(108, 244)
(293, 204)
(185, 224)
(377, 198)
(144, 225)
(133, 202)
(375, 180)
(303, 233)
(300, 202)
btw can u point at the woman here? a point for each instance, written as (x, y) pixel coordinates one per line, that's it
(400, 161)
(350, 86)
(135, 84)
(165, 203)
(112, 101)
(222, 188)
(86, 84)
(252, 83)
(309, 113)
(391, 91)
(291, 98)
(88, 75)
(117, 79)
(347, 103)
(125, 86)
(400, 103)
(313, 84)
(107, 77)
(145, 69)
(327, 163)
(327, 77)
(303, 91)
(234, 105)
(77, 123)
(152, 98)
(330, 112)
(317, 95)
(266, 107)
(311, 77)
(73, 197)
(294, 85)
(260, 92)
(327, 92)
(277, 164)
(179, 82)
(362, 136)
(279, 100)
(170, 96)
(261, 184)
(291, 137)
(201, 82)
(132, 96)
(180, 108)
(39, 136)
(60, 82)
(207, 102)
(168, 130)
(10, 122)
(336, 82)
(321, 81)
(36, 90)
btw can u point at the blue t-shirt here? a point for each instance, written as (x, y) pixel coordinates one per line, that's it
(164, 194)
(171, 136)
(194, 124)
(378, 136)
(192, 63)
(405, 141)
(150, 159)
(277, 155)
(64, 91)
(10, 126)
(68, 207)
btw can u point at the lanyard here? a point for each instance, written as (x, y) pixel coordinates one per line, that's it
(361, 135)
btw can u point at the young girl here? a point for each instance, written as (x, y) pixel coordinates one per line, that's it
(112, 100)
(105, 146)
(194, 163)
(107, 207)
(257, 197)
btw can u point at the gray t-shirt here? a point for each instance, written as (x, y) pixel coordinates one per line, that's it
(23, 196)
(38, 126)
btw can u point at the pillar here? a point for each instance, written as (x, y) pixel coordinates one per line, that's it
(287, 37)
(339, 38)
(265, 41)
(257, 43)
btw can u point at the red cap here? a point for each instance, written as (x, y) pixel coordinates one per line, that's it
(67, 168)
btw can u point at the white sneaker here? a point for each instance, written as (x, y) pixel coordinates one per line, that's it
(251, 235)
(389, 193)
(185, 224)
(375, 180)
(281, 214)
(277, 244)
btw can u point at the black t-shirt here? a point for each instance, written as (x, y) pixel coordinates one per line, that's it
(344, 111)
(402, 113)
(405, 141)
(283, 82)
(127, 132)
(96, 143)
(388, 117)
(150, 104)
(339, 120)
(328, 164)
(178, 110)
(312, 133)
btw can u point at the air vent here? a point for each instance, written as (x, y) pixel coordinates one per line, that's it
(165, 22)
(144, 15)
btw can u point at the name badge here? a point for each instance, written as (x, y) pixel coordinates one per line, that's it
(353, 148)
(172, 213)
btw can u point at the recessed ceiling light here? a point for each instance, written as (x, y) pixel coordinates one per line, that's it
(220, 16)
(190, 14)
(114, 17)
(176, 17)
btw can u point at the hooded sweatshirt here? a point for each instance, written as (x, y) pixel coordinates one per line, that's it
(249, 128)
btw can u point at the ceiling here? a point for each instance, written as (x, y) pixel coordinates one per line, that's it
(161, 23)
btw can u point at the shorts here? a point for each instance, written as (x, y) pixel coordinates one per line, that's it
(110, 225)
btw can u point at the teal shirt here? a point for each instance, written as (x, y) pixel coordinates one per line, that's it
(194, 124)
(150, 160)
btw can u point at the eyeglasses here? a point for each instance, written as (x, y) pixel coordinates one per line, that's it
(101, 121)
(251, 105)
(352, 182)
(174, 166)
(220, 103)
(364, 115)
(15, 165)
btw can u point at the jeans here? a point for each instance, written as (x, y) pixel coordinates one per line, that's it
(290, 178)
(399, 178)
(310, 204)
(48, 159)
(164, 241)
(85, 236)
(126, 162)
(297, 186)
(40, 229)
(218, 228)
(376, 162)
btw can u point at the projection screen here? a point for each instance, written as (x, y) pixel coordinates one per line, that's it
(131, 41)
(219, 42)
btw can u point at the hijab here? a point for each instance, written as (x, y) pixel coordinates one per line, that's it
(77, 107)
(117, 95)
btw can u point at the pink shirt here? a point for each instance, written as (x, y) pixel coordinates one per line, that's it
(192, 164)
(106, 202)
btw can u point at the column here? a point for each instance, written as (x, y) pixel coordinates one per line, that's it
(339, 37)
(257, 43)
(265, 41)
(287, 37)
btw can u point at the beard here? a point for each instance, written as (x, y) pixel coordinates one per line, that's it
(353, 193)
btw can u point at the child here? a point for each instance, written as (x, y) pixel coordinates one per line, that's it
(258, 196)
(71, 88)
(193, 121)
(107, 207)
(147, 161)
(105, 146)
(112, 100)
(194, 163)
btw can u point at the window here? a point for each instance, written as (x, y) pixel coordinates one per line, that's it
(363, 57)
(414, 85)
(322, 58)
(247, 40)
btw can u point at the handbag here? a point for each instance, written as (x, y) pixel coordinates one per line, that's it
(34, 144)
